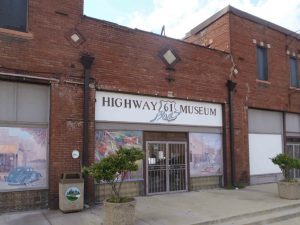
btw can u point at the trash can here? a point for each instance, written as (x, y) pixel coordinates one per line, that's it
(71, 192)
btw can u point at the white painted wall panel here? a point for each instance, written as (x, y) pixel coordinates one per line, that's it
(262, 147)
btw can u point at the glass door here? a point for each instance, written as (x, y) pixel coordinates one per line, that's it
(166, 167)
(293, 150)
(177, 167)
(157, 168)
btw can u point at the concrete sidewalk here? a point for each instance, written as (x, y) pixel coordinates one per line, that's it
(253, 205)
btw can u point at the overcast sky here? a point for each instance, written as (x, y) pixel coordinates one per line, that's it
(180, 16)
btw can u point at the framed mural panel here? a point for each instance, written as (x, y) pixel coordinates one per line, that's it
(205, 154)
(23, 158)
(108, 142)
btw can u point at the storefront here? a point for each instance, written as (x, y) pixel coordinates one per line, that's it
(271, 133)
(182, 141)
(265, 141)
(24, 124)
(292, 127)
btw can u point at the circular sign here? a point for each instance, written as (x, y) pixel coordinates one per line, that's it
(72, 194)
(75, 154)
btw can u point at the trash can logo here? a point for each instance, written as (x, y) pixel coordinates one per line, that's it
(72, 194)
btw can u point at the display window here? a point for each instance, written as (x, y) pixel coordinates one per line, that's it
(205, 154)
(23, 158)
(108, 142)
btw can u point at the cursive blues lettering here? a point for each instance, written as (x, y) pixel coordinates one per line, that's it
(165, 116)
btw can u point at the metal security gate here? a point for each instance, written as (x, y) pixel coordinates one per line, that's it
(166, 167)
(293, 150)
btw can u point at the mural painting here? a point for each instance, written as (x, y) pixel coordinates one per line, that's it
(108, 142)
(205, 154)
(23, 158)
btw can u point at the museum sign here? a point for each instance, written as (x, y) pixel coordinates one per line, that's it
(118, 107)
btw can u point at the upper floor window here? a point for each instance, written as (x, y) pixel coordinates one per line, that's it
(294, 72)
(13, 14)
(262, 63)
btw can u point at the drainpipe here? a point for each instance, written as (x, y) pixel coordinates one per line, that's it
(231, 87)
(87, 61)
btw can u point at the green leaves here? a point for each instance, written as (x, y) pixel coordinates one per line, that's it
(104, 170)
(286, 163)
(114, 168)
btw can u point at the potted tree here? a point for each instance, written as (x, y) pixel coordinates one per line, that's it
(113, 170)
(288, 188)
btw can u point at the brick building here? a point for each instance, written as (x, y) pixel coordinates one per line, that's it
(266, 100)
(71, 82)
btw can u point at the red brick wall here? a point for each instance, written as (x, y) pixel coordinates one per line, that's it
(23, 200)
(128, 60)
(251, 93)
(47, 53)
(125, 60)
(216, 35)
(275, 94)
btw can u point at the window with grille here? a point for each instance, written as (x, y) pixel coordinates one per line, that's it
(293, 150)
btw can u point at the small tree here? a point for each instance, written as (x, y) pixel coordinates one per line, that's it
(114, 168)
(286, 163)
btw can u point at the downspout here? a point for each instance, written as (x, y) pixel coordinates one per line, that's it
(87, 61)
(231, 87)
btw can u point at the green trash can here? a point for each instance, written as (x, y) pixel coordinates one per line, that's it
(71, 192)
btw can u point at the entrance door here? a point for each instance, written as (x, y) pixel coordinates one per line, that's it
(166, 167)
(293, 150)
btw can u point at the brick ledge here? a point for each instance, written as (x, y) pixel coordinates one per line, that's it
(16, 33)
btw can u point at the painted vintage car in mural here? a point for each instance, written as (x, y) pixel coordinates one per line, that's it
(22, 176)
(23, 158)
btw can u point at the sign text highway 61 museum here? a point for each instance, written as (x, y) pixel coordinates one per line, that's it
(118, 107)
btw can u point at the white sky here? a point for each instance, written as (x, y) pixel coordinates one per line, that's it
(180, 16)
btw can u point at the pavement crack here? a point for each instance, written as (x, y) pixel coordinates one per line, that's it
(46, 218)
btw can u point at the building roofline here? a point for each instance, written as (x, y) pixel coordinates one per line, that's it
(121, 27)
(242, 14)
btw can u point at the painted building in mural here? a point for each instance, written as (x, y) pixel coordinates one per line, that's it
(205, 116)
